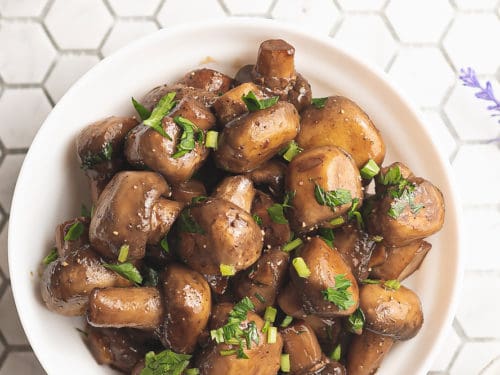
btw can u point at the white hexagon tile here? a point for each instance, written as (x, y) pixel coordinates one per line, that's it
(46, 45)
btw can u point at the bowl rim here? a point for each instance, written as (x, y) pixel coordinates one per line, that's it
(228, 22)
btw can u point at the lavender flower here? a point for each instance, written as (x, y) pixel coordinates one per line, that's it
(469, 79)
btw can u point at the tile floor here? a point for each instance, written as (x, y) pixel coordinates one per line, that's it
(45, 45)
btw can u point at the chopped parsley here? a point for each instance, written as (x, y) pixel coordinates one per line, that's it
(254, 104)
(164, 244)
(319, 102)
(339, 295)
(166, 362)
(143, 112)
(333, 198)
(336, 354)
(188, 224)
(257, 219)
(163, 107)
(51, 256)
(91, 160)
(356, 321)
(232, 333)
(74, 232)
(354, 213)
(327, 235)
(190, 135)
(126, 270)
(276, 213)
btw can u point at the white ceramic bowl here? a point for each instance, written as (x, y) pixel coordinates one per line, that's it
(51, 186)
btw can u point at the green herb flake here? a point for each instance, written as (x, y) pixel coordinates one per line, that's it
(276, 213)
(291, 151)
(51, 256)
(257, 219)
(392, 284)
(292, 245)
(356, 321)
(163, 107)
(301, 267)
(192, 371)
(370, 281)
(227, 270)
(391, 177)
(164, 245)
(166, 362)
(143, 112)
(288, 198)
(84, 211)
(74, 232)
(91, 160)
(188, 224)
(327, 235)
(190, 135)
(339, 295)
(319, 103)
(286, 322)
(403, 198)
(254, 104)
(260, 297)
(333, 198)
(126, 270)
(199, 199)
(353, 213)
(336, 354)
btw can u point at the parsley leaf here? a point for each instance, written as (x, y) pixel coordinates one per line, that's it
(339, 295)
(319, 102)
(404, 198)
(143, 112)
(327, 235)
(354, 213)
(254, 104)
(276, 214)
(287, 200)
(188, 224)
(391, 177)
(163, 107)
(257, 219)
(164, 244)
(331, 198)
(187, 142)
(126, 270)
(166, 362)
(356, 321)
(91, 160)
(74, 232)
(51, 257)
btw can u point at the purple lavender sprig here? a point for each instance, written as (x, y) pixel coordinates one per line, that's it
(469, 79)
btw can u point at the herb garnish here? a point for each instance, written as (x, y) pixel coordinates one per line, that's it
(354, 213)
(293, 244)
(126, 270)
(389, 284)
(74, 232)
(327, 235)
(356, 321)
(143, 112)
(291, 151)
(301, 267)
(257, 219)
(331, 198)
(187, 142)
(369, 170)
(336, 354)
(318, 102)
(254, 104)
(276, 213)
(232, 333)
(339, 295)
(163, 107)
(260, 297)
(166, 362)
(90, 160)
(164, 244)
(188, 224)
(52, 256)
(123, 253)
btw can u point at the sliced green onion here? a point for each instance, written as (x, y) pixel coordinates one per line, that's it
(192, 371)
(392, 284)
(337, 353)
(337, 221)
(123, 254)
(266, 326)
(286, 322)
(227, 270)
(285, 363)
(301, 267)
(292, 245)
(270, 314)
(369, 170)
(291, 151)
(370, 281)
(260, 297)
(377, 238)
(217, 335)
(211, 139)
(74, 232)
(272, 334)
(226, 353)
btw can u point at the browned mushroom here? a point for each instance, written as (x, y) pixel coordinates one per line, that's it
(186, 191)
(132, 211)
(99, 148)
(151, 99)
(231, 105)
(324, 264)
(366, 352)
(402, 261)
(67, 282)
(238, 190)
(270, 174)
(66, 246)
(208, 80)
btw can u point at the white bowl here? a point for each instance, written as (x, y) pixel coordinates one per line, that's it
(51, 186)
